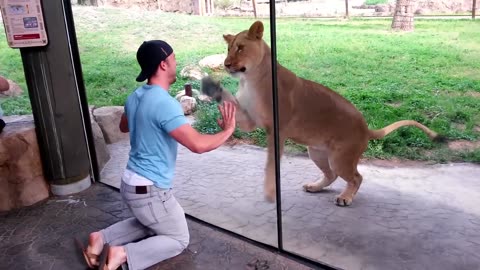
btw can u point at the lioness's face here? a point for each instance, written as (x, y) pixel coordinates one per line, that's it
(245, 50)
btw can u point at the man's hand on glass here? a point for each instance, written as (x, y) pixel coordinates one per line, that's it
(227, 111)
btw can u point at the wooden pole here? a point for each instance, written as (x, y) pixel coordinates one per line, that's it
(346, 8)
(474, 7)
(255, 8)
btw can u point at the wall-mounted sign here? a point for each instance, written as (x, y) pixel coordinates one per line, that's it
(23, 22)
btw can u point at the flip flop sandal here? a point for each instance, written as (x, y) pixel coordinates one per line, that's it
(103, 264)
(89, 257)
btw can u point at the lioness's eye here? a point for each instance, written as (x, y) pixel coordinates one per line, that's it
(240, 48)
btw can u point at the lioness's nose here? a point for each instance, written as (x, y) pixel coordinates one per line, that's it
(227, 64)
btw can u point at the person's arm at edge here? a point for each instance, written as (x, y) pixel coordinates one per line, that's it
(4, 86)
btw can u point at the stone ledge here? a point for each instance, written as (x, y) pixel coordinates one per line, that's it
(22, 182)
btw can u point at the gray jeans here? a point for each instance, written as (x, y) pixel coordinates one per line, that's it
(157, 215)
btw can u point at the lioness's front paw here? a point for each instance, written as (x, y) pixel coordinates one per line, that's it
(343, 201)
(211, 88)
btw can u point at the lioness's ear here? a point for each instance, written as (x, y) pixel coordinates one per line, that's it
(256, 30)
(228, 38)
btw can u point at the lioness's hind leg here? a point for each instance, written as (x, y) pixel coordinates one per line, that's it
(345, 166)
(320, 158)
(358, 178)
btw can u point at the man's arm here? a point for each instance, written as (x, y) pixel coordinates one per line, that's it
(124, 124)
(201, 143)
(189, 137)
(197, 142)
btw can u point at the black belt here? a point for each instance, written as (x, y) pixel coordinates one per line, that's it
(136, 189)
(141, 189)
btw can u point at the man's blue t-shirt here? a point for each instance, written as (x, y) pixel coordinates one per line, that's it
(152, 113)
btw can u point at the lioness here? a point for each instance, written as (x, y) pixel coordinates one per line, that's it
(309, 113)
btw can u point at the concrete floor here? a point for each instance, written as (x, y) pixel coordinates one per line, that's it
(404, 217)
(40, 237)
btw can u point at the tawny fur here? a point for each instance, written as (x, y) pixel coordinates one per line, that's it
(311, 114)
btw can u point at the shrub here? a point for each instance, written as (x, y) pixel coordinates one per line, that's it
(224, 4)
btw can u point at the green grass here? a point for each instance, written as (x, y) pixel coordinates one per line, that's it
(431, 75)
(375, 2)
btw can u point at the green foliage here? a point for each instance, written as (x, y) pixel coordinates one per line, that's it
(430, 75)
(375, 2)
(206, 118)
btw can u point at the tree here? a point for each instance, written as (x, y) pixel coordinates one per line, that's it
(88, 2)
(403, 16)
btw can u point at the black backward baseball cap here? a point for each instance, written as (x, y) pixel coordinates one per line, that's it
(149, 56)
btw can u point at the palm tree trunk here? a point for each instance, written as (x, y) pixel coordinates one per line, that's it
(403, 16)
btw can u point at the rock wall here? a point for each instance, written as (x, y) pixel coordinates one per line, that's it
(22, 182)
(428, 7)
(101, 150)
(445, 5)
(108, 118)
(185, 6)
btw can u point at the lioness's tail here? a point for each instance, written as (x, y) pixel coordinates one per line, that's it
(214, 90)
(380, 133)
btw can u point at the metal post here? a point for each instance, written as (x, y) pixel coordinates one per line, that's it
(60, 110)
(273, 39)
(188, 89)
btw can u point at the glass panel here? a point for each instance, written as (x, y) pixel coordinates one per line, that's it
(406, 214)
(224, 186)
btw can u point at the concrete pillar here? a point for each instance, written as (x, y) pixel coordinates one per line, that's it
(58, 98)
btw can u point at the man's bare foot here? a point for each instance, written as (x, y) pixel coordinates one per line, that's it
(95, 246)
(116, 257)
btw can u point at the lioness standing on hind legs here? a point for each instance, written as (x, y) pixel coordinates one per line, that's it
(311, 114)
